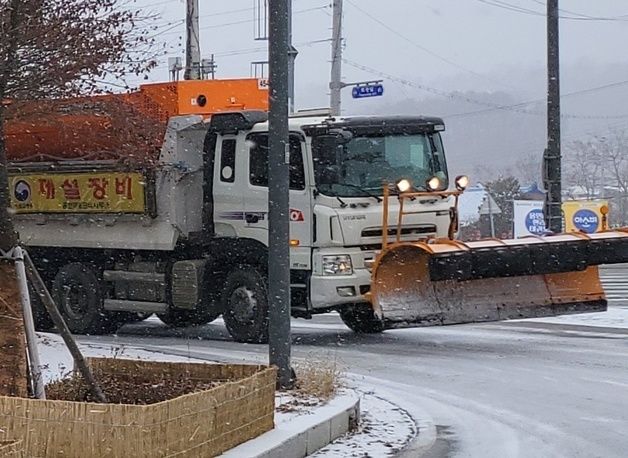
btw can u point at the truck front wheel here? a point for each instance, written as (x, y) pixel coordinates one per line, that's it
(77, 292)
(361, 319)
(245, 305)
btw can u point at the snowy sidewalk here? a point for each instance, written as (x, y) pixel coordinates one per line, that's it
(384, 430)
(614, 317)
(302, 426)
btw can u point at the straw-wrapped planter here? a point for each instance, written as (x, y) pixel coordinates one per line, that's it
(239, 406)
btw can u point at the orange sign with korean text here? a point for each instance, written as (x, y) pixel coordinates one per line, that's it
(92, 192)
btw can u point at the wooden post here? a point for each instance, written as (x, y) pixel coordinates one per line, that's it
(13, 366)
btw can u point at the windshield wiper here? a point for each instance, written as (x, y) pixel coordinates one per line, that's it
(364, 190)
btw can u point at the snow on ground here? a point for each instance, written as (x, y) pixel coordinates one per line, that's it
(384, 429)
(57, 361)
(614, 317)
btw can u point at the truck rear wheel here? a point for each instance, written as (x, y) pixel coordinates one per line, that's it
(179, 318)
(43, 322)
(77, 292)
(245, 305)
(361, 319)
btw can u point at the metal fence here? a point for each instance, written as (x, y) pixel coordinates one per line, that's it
(615, 281)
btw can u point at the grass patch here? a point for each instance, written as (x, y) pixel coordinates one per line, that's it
(318, 378)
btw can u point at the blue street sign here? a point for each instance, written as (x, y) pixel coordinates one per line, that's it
(586, 220)
(369, 90)
(535, 222)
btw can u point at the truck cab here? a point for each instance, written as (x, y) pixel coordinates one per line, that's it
(338, 168)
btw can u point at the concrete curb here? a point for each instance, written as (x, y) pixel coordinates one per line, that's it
(306, 434)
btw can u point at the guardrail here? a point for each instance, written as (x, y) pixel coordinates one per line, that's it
(614, 278)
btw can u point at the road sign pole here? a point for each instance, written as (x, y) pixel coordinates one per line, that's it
(278, 193)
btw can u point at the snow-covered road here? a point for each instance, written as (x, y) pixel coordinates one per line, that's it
(542, 388)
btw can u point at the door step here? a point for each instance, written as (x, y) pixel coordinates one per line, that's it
(116, 305)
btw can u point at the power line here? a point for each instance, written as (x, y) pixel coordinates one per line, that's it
(586, 16)
(530, 102)
(425, 88)
(221, 13)
(457, 96)
(150, 5)
(510, 7)
(244, 51)
(167, 31)
(423, 48)
(522, 10)
(247, 21)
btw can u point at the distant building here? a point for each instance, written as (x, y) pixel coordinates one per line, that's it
(531, 192)
(475, 209)
(476, 201)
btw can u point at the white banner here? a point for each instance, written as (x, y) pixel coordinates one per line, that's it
(528, 218)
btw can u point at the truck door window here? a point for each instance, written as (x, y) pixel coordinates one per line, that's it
(258, 161)
(227, 161)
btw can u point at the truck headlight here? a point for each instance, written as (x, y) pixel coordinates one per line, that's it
(433, 184)
(337, 265)
(462, 182)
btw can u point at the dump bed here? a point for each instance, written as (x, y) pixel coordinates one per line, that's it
(100, 154)
(128, 128)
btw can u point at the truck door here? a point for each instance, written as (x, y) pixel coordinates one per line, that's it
(256, 198)
(229, 180)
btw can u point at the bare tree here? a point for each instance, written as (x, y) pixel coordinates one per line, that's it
(584, 167)
(10, 25)
(53, 49)
(614, 147)
(528, 168)
(599, 167)
(59, 48)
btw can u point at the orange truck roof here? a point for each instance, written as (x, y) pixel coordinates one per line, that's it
(128, 127)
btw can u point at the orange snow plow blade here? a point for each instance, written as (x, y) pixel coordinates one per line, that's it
(419, 284)
(445, 281)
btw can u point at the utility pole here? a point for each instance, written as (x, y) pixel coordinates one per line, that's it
(292, 56)
(193, 45)
(335, 84)
(278, 193)
(552, 155)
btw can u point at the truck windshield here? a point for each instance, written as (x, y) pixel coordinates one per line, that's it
(359, 167)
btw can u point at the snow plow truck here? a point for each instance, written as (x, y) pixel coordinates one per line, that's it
(156, 201)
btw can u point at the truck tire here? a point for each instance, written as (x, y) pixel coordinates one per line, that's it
(43, 322)
(245, 305)
(77, 293)
(179, 318)
(361, 319)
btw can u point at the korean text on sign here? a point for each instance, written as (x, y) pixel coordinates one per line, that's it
(107, 192)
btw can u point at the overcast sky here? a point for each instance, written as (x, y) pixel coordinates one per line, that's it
(459, 59)
(445, 44)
